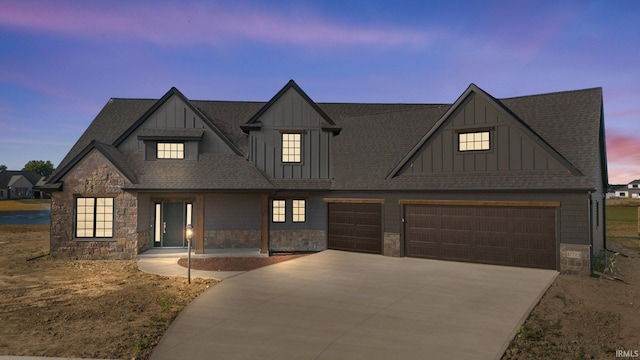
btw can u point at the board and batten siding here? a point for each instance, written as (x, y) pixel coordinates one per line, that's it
(511, 148)
(175, 114)
(291, 113)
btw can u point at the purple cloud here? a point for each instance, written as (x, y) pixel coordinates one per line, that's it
(197, 23)
(624, 163)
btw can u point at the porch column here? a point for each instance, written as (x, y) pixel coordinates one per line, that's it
(264, 224)
(199, 224)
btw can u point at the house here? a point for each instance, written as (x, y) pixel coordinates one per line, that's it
(517, 181)
(18, 184)
(630, 190)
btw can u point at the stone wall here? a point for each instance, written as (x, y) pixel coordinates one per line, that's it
(297, 240)
(391, 244)
(94, 176)
(575, 259)
(231, 239)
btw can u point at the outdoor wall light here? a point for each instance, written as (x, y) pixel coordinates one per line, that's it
(189, 235)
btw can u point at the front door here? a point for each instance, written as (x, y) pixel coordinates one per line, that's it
(171, 220)
(173, 216)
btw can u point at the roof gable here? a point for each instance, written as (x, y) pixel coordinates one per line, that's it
(112, 154)
(513, 144)
(290, 94)
(173, 112)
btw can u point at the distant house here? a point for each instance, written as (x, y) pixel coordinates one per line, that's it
(630, 190)
(18, 184)
(486, 180)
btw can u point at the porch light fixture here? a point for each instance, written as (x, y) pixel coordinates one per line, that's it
(189, 234)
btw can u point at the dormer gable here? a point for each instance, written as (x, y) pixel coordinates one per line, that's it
(291, 106)
(173, 119)
(479, 134)
(290, 136)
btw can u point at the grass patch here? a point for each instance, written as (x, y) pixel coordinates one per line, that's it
(25, 204)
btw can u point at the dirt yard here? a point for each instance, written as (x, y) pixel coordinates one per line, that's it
(88, 309)
(590, 317)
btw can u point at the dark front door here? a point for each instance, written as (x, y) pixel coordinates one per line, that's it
(173, 215)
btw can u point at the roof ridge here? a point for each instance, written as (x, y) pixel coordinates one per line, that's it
(394, 111)
(553, 93)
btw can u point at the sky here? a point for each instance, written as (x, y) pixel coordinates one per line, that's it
(61, 61)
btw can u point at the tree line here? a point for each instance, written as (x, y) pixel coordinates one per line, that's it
(40, 167)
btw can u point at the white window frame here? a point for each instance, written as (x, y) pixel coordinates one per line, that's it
(170, 150)
(474, 141)
(94, 217)
(299, 210)
(291, 147)
(278, 211)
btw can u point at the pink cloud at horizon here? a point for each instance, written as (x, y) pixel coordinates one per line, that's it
(623, 157)
(197, 23)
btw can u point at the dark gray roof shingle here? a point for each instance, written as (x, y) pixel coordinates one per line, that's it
(374, 139)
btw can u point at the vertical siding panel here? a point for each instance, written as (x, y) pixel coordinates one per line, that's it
(324, 158)
(469, 111)
(503, 147)
(436, 145)
(540, 159)
(458, 118)
(528, 149)
(469, 162)
(427, 160)
(515, 150)
(447, 150)
(480, 112)
(481, 162)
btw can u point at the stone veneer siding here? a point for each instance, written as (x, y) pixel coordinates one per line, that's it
(231, 239)
(575, 259)
(94, 176)
(297, 240)
(391, 244)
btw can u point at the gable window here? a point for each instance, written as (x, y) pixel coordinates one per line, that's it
(299, 212)
(291, 147)
(473, 141)
(94, 217)
(170, 150)
(278, 212)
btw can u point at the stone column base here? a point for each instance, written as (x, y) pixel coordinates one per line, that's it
(575, 259)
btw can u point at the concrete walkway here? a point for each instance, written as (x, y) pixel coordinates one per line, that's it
(165, 262)
(340, 305)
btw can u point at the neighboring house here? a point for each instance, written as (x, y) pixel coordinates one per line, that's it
(18, 184)
(517, 181)
(630, 190)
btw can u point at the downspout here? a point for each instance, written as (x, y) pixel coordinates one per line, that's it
(590, 204)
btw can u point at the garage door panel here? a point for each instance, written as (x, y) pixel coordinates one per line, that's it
(355, 227)
(503, 235)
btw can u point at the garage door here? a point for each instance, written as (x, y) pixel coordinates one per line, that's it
(355, 227)
(501, 235)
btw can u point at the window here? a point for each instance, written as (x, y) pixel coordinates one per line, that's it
(170, 150)
(473, 141)
(94, 217)
(291, 147)
(278, 213)
(299, 213)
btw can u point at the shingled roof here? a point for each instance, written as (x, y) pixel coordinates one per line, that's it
(374, 139)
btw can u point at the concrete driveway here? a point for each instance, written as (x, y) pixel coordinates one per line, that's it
(341, 305)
